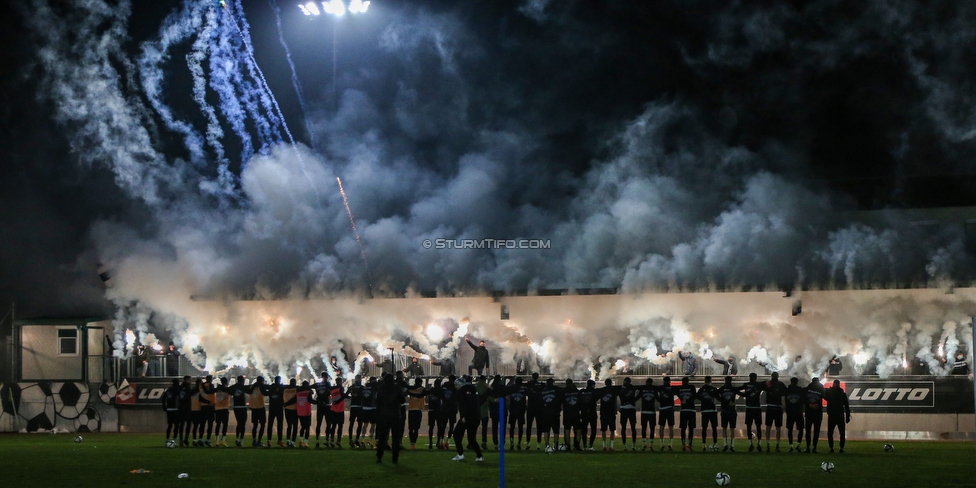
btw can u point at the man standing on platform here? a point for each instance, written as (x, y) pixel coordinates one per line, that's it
(481, 361)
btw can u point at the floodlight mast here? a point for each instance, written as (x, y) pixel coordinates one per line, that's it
(336, 8)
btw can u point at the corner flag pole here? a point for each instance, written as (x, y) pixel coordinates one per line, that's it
(501, 447)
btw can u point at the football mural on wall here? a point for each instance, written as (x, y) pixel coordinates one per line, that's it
(52, 406)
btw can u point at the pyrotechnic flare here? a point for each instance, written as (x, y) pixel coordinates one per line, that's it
(352, 222)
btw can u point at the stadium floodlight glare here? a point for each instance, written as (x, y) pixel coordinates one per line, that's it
(334, 7)
(310, 8)
(358, 6)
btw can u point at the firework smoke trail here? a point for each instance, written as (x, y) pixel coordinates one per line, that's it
(229, 47)
(176, 27)
(277, 116)
(267, 96)
(224, 76)
(294, 73)
(352, 222)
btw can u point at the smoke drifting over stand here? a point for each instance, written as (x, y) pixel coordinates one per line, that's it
(660, 148)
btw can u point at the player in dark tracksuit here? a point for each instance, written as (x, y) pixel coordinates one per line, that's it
(515, 405)
(497, 393)
(726, 397)
(795, 397)
(469, 407)
(549, 420)
(355, 394)
(171, 405)
(648, 400)
(838, 414)
(207, 410)
(388, 399)
(752, 391)
(665, 416)
(186, 409)
(433, 397)
(571, 415)
(238, 394)
(322, 405)
(368, 413)
(628, 412)
(276, 408)
(533, 391)
(587, 401)
(687, 394)
(775, 389)
(608, 412)
(813, 411)
(449, 410)
(708, 396)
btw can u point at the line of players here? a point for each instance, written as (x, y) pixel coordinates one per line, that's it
(201, 412)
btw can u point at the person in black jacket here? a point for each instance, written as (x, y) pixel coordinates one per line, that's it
(171, 404)
(414, 370)
(515, 409)
(433, 394)
(838, 414)
(469, 407)
(813, 412)
(389, 398)
(446, 365)
(795, 396)
(729, 366)
(276, 408)
(185, 409)
(834, 367)
(480, 361)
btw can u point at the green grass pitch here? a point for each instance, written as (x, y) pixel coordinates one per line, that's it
(106, 459)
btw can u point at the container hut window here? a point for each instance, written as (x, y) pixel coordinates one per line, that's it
(68, 342)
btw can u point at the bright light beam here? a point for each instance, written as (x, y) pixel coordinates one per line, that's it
(435, 333)
(335, 7)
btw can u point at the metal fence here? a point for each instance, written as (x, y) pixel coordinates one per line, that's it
(116, 369)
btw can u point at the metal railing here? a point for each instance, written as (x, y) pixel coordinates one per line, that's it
(116, 369)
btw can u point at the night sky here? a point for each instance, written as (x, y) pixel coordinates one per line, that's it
(658, 145)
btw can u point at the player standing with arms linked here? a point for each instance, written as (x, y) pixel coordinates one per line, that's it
(222, 399)
(795, 396)
(686, 421)
(587, 401)
(665, 398)
(708, 395)
(752, 391)
(322, 405)
(272, 394)
(355, 394)
(775, 389)
(814, 412)
(389, 419)
(628, 412)
(648, 400)
(255, 403)
(238, 394)
(515, 406)
(469, 407)
(726, 397)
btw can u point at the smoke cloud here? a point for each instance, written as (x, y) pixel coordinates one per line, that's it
(708, 159)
